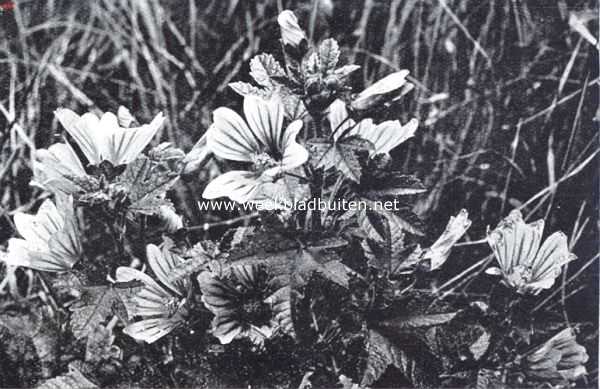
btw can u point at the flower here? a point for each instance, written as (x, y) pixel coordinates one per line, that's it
(525, 265)
(559, 358)
(170, 220)
(259, 141)
(291, 33)
(389, 88)
(440, 250)
(384, 136)
(50, 238)
(103, 139)
(58, 169)
(244, 304)
(162, 308)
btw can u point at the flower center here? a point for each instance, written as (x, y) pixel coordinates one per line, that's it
(255, 312)
(263, 161)
(521, 275)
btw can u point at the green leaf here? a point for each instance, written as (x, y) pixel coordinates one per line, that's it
(263, 68)
(329, 54)
(96, 305)
(417, 321)
(345, 155)
(73, 379)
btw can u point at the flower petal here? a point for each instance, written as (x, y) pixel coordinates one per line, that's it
(86, 132)
(125, 144)
(151, 300)
(294, 154)
(150, 330)
(162, 262)
(229, 137)
(388, 135)
(238, 185)
(265, 118)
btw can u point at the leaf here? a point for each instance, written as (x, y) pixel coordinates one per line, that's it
(99, 345)
(146, 182)
(384, 245)
(329, 54)
(37, 328)
(382, 353)
(328, 265)
(263, 68)
(311, 66)
(417, 321)
(402, 218)
(96, 304)
(73, 379)
(245, 89)
(489, 379)
(345, 155)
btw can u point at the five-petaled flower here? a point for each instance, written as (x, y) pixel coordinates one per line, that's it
(105, 139)
(560, 358)
(525, 265)
(260, 141)
(50, 238)
(245, 303)
(161, 307)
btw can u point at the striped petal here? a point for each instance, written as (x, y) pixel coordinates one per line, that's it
(151, 300)
(162, 262)
(294, 154)
(265, 118)
(229, 137)
(150, 330)
(85, 130)
(238, 185)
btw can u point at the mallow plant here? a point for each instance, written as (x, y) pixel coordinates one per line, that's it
(328, 296)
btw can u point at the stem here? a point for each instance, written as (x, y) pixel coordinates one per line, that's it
(228, 222)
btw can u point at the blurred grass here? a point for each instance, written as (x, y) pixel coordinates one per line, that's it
(506, 95)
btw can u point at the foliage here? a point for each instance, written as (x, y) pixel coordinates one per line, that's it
(298, 295)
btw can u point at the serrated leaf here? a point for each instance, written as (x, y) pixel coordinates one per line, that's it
(73, 379)
(96, 305)
(245, 89)
(345, 155)
(146, 182)
(384, 246)
(197, 259)
(263, 68)
(402, 218)
(417, 321)
(382, 353)
(329, 54)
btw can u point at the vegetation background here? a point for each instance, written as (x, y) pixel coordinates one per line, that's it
(506, 96)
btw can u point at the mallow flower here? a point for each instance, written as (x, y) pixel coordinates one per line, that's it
(384, 136)
(58, 169)
(559, 359)
(260, 141)
(161, 306)
(50, 238)
(105, 138)
(291, 32)
(245, 303)
(525, 265)
(389, 88)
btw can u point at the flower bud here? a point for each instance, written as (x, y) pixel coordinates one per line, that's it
(197, 158)
(291, 33)
(171, 221)
(387, 89)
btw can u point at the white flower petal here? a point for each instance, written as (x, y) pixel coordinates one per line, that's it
(151, 300)
(125, 144)
(294, 154)
(265, 118)
(388, 135)
(85, 130)
(238, 185)
(229, 137)
(162, 263)
(150, 330)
